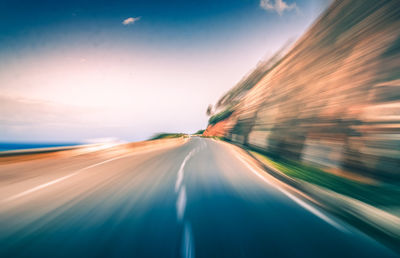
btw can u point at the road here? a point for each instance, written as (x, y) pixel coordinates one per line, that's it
(200, 198)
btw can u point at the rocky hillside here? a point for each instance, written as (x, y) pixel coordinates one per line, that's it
(333, 99)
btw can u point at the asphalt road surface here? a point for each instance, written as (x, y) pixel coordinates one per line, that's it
(198, 198)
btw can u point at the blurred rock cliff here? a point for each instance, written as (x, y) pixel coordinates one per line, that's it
(332, 99)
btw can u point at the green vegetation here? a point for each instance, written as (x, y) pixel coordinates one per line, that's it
(220, 116)
(167, 136)
(376, 195)
(215, 137)
(199, 132)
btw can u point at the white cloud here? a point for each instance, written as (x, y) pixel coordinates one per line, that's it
(279, 6)
(130, 20)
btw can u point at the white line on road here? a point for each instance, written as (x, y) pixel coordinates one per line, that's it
(313, 210)
(179, 179)
(181, 203)
(187, 242)
(203, 145)
(37, 188)
(187, 246)
(300, 202)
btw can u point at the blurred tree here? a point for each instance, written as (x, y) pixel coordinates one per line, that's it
(209, 111)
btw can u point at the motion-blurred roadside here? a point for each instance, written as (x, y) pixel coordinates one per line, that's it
(328, 111)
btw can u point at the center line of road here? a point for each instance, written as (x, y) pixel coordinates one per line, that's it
(181, 203)
(303, 204)
(37, 188)
(179, 179)
(187, 242)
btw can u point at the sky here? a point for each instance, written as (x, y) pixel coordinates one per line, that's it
(73, 71)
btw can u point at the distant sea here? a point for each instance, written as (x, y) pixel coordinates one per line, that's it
(8, 146)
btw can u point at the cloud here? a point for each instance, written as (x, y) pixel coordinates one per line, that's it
(279, 6)
(130, 20)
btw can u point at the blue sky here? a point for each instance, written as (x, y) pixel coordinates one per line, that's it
(74, 70)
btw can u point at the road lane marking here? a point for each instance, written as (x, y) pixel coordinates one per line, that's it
(203, 145)
(39, 187)
(187, 242)
(187, 246)
(179, 179)
(313, 210)
(300, 202)
(181, 203)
